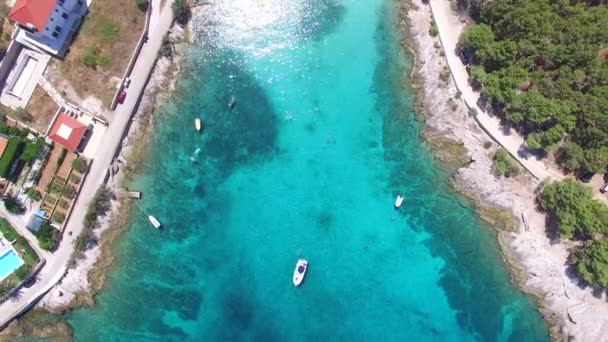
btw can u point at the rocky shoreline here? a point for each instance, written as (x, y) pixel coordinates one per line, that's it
(538, 266)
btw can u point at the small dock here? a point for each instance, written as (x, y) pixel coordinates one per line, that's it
(124, 193)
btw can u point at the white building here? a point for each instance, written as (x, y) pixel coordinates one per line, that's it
(48, 25)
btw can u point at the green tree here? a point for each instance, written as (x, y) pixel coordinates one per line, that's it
(591, 263)
(476, 37)
(79, 164)
(572, 156)
(596, 159)
(181, 11)
(574, 209)
(542, 66)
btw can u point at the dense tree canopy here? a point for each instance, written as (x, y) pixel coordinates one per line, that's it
(573, 207)
(543, 65)
(591, 263)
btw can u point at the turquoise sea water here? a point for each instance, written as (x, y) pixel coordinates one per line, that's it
(308, 163)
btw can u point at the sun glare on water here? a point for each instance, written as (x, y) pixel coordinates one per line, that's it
(253, 27)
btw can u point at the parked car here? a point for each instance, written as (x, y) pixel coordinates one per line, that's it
(586, 178)
(121, 96)
(126, 83)
(604, 188)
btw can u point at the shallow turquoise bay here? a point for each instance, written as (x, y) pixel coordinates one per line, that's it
(308, 162)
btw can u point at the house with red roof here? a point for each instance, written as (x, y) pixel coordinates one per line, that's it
(68, 132)
(48, 25)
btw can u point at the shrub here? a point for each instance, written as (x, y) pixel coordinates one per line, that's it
(64, 204)
(487, 144)
(64, 151)
(504, 164)
(91, 53)
(181, 11)
(433, 30)
(142, 5)
(69, 191)
(54, 187)
(103, 60)
(75, 178)
(48, 237)
(22, 115)
(58, 217)
(109, 31)
(79, 164)
(101, 204)
(22, 272)
(14, 206)
(32, 150)
(33, 194)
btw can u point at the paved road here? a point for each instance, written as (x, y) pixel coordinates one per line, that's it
(449, 29)
(56, 266)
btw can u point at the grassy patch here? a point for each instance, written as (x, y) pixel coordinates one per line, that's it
(109, 32)
(504, 165)
(13, 149)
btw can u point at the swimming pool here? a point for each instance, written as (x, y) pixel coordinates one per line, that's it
(9, 262)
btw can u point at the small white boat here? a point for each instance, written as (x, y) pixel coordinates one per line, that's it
(299, 272)
(398, 202)
(197, 124)
(198, 150)
(231, 102)
(154, 221)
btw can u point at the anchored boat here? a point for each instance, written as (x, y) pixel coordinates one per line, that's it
(398, 202)
(299, 272)
(231, 102)
(197, 124)
(154, 222)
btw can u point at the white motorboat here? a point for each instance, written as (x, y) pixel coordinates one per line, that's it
(231, 102)
(154, 221)
(299, 272)
(398, 202)
(197, 124)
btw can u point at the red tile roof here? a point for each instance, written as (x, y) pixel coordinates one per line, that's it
(67, 131)
(3, 143)
(35, 12)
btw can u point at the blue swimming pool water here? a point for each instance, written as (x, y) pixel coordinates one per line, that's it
(9, 262)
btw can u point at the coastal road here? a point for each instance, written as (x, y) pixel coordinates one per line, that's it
(56, 266)
(450, 27)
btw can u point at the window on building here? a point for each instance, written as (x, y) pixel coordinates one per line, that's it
(58, 29)
(55, 34)
(64, 15)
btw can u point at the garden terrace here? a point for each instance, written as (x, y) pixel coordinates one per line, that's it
(62, 178)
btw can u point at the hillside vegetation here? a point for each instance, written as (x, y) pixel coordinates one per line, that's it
(543, 67)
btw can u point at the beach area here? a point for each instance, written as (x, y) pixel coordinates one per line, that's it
(537, 265)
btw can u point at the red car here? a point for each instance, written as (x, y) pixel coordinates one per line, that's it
(121, 96)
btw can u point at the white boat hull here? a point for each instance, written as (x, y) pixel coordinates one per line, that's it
(154, 222)
(197, 124)
(398, 201)
(300, 272)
